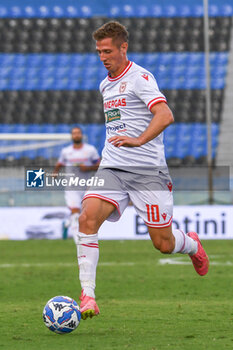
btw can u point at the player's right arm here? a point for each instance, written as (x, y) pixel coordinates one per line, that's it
(162, 118)
(57, 168)
(60, 163)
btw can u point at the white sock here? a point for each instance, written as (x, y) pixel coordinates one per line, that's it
(74, 226)
(183, 243)
(88, 256)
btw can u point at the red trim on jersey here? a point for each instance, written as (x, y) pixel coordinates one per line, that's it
(105, 199)
(119, 76)
(156, 100)
(159, 225)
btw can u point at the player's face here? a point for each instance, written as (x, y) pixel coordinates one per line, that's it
(77, 135)
(113, 57)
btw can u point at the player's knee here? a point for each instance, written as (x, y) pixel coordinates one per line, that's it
(86, 223)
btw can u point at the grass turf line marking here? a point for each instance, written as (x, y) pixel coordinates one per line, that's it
(166, 261)
(5, 266)
(183, 261)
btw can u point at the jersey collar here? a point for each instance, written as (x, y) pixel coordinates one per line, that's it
(119, 76)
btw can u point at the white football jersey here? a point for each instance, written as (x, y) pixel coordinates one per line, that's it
(72, 157)
(127, 100)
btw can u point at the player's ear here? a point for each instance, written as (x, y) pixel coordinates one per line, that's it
(124, 48)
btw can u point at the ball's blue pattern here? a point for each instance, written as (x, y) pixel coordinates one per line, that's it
(61, 314)
(49, 313)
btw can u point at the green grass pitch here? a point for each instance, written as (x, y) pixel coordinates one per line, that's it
(145, 302)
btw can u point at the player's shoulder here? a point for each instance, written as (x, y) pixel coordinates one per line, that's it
(67, 148)
(140, 72)
(88, 147)
(103, 84)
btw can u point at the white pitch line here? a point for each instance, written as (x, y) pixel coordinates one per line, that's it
(107, 263)
(181, 261)
(166, 261)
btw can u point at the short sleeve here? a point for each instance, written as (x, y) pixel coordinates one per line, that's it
(94, 155)
(61, 159)
(147, 90)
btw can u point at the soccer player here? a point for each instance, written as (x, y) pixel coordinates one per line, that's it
(133, 161)
(81, 158)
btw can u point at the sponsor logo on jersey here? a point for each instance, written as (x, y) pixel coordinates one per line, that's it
(115, 103)
(112, 115)
(164, 215)
(117, 128)
(169, 185)
(122, 87)
(145, 76)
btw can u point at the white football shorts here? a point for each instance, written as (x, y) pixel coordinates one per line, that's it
(73, 199)
(150, 195)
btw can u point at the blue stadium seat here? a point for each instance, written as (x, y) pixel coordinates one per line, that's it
(184, 10)
(15, 11)
(170, 133)
(59, 73)
(44, 11)
(62, 60)
(170, 10)
(226, 9)
(199, 131)
(85, 11)
(6, 59)
(213, 10)
(39, 152)
(49, 60)
(30, 153)
(156, 10)
(182, 148)
(142, 11)
(166, 58)
(29, 12)
(72, 11)
(19, 128)
(34, 128)
(19, 60)
(197, 11)
(5, 72)
(35, 60)
(215, 129)
(91, 59)
(77, 60)
(62, 128)
(218, 83)
(138, 58)
(219, 58)
(196, 58)
(48, 128)
(4, 12)
(6, 128)
(198, 148)
(114, 11)
(57, 11)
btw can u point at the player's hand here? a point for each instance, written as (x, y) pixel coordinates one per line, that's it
(84, 167)
(125, 141)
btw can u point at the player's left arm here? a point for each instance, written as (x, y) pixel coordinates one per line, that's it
(162, 118)
(92, 167)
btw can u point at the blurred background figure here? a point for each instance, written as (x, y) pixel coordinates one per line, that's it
(80, 159)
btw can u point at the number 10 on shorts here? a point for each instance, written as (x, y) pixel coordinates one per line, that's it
(152, 212)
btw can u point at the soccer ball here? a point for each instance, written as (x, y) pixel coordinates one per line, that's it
(61, 314)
